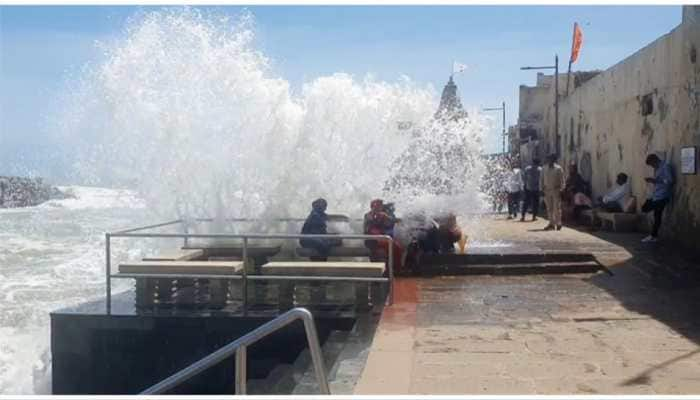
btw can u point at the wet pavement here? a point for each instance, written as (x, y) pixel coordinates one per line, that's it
(635, 332)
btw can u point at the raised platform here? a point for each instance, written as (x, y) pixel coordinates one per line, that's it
(129, 350)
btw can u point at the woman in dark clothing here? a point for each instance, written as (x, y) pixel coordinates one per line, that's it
(316, 224)
(380, 222)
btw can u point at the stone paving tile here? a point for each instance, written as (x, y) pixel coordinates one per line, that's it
(386, 372)
(579, 386)
(503, 385)
(443, 365)
(547, 334)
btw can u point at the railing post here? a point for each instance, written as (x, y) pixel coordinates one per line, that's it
(108, 275)
(186, 239)
(245, 276)
(241, 373)
(316, 354)
(390, 298)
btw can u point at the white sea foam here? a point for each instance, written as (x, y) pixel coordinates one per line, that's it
(52, 257)
(188, 111)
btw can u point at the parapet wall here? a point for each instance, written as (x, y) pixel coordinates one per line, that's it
(649, 102)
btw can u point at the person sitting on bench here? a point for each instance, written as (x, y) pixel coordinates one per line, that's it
(615, 200)
(448, 233)
(316, 224)
(576, 193)
(380, 222)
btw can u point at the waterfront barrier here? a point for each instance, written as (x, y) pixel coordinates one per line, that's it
(245, 277)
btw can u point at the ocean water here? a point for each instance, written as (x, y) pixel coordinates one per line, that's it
(52, 256)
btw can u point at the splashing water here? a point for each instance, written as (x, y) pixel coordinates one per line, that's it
(188, 111)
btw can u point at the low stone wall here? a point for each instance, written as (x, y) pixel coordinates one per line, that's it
(26, 192)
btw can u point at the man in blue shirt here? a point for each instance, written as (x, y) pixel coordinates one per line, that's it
(663, 187)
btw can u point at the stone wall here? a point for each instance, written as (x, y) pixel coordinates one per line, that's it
(647, 103)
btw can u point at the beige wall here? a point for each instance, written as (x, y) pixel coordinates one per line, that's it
(603, 118)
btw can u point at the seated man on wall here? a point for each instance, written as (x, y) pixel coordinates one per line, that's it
(576, 194)
(317, 224)
(616, 199)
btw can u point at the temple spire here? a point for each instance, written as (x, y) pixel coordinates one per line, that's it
(450, 104)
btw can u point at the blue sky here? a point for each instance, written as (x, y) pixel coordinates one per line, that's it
(40, 46)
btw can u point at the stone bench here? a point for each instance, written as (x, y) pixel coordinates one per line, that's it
(259, 253)
(176, 255)
(184, 290)
(325, 268)
(338, 251)
(617, 221)
(286, 289)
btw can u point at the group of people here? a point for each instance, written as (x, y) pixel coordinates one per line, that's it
(532, 183)
(427, 235)
(573, 194)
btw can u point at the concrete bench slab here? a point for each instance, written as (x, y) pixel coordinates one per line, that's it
(183, 267)
(234, 250)
(325, 268)
(618, 221)
(176, 255)
(340, 251)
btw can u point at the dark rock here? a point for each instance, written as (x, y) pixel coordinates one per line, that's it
(26, 192)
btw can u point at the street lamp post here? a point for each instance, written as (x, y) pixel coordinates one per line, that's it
(555, 67)
(502, 108)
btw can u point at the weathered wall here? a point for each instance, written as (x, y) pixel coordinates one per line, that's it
(533, 101)
(603, 119)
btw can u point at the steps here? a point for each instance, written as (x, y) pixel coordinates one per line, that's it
(510, 264)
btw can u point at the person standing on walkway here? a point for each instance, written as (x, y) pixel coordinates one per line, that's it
(531, 178)
(514, 187)
(663, 187)
(552, 184)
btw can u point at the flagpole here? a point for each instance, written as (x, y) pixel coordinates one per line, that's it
(568, 78)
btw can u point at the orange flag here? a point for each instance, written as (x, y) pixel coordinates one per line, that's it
(576, 43)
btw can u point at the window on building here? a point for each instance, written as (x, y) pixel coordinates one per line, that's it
(647, 104)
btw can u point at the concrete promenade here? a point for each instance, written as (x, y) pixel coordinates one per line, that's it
(636, 332)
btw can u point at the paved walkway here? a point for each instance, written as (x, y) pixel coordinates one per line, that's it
(636, 332)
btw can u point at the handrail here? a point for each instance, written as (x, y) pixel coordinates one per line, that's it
(143, 228)
(240, 346)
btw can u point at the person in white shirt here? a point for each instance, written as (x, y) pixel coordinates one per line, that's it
(614, 200)
(552, 183)
(514, 186)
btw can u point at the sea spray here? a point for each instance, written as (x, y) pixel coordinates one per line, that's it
(187, 111)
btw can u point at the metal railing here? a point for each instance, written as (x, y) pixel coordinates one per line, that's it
(138, 233)
(240, 347)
